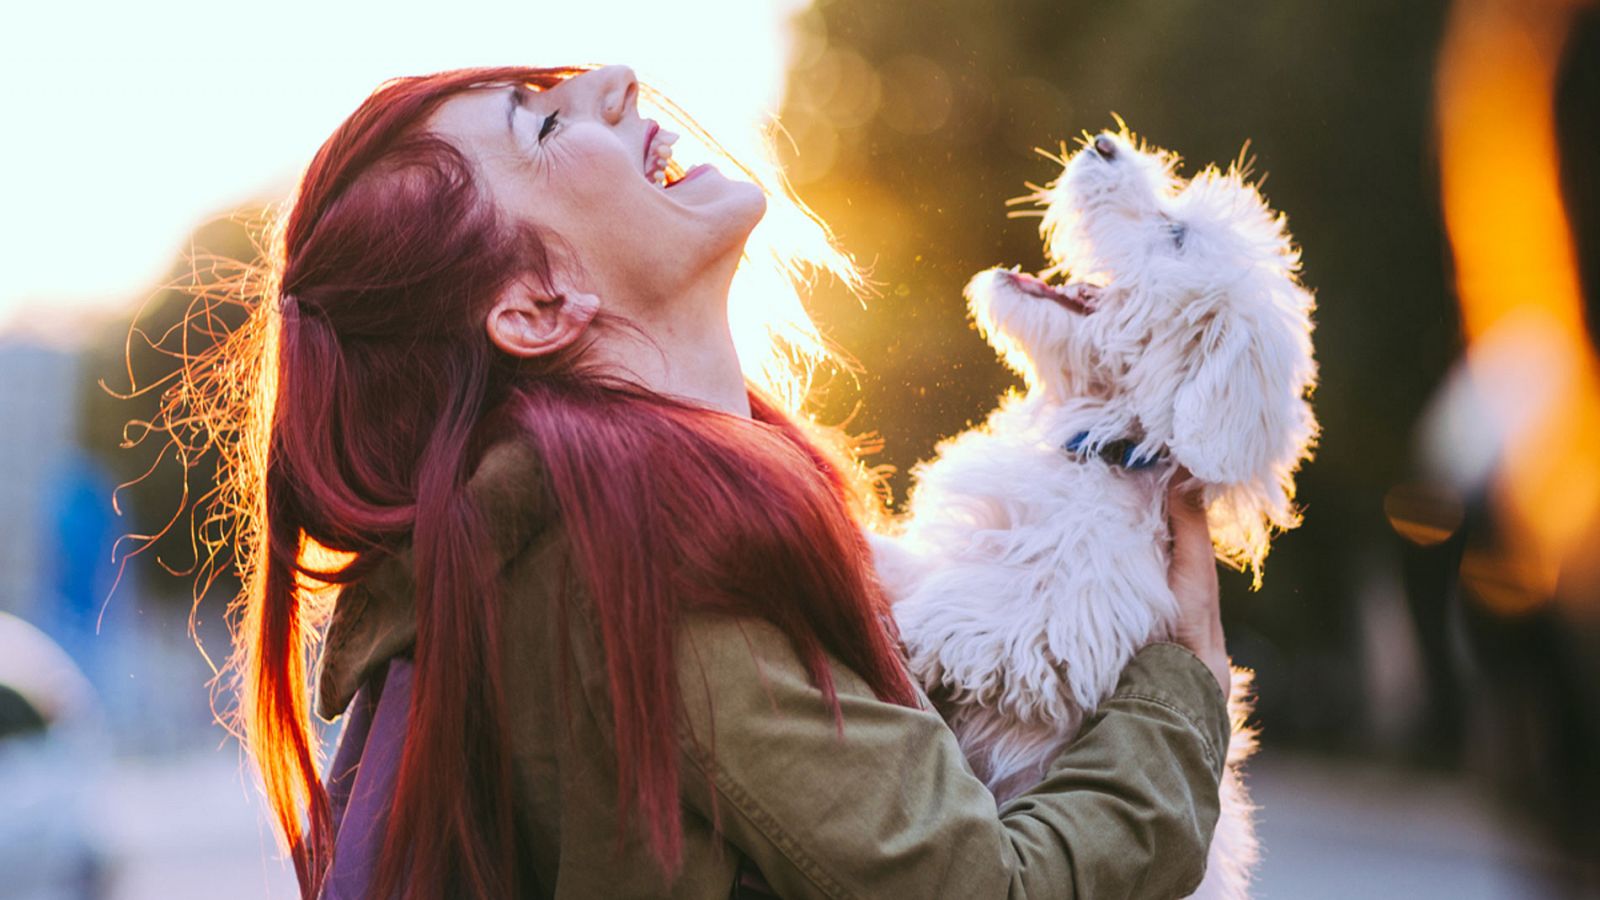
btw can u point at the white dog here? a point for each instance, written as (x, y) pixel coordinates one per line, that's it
(1032, 562)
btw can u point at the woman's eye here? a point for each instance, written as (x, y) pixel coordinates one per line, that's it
(548, 126)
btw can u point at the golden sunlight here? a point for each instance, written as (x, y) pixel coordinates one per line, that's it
(129, 125)
(1521, 302)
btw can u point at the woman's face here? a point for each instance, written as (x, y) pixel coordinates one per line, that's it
(576, 160)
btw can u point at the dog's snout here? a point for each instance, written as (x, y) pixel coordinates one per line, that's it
(1106, 147)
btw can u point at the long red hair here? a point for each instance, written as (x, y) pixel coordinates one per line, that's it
(376, 391)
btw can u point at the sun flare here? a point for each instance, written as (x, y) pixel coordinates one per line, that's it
(207, 111)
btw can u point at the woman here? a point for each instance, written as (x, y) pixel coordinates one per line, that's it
(606, 620)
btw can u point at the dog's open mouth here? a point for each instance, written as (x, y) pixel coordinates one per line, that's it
(1077, 297)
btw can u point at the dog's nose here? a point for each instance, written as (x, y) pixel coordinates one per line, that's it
(1105, 146)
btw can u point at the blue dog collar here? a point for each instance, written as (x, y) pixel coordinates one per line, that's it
(1114, 453)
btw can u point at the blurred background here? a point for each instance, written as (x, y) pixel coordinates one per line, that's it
(1427, 644)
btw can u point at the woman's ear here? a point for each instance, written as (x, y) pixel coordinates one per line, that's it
(528, 321)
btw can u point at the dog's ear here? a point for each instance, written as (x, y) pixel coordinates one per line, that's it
(1241, 419)
(1226, 420)
(1242, 410)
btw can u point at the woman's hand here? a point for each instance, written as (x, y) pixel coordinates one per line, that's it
(1193, 577)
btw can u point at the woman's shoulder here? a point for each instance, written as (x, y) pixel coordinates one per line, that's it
(374, 619)
(510, 490)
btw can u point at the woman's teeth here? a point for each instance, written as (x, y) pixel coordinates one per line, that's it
(660, 157)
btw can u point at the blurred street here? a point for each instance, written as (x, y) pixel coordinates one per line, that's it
(190, 827)
(1335, 829)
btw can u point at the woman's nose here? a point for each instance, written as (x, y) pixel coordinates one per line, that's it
(615, 91)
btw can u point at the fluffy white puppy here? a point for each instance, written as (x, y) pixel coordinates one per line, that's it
(1032, 562)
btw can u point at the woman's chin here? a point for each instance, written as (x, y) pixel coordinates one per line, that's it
(731, 211)
(752, 202)
(706, 186)
(708, 222)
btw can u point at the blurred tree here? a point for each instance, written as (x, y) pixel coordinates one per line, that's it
(912, 121)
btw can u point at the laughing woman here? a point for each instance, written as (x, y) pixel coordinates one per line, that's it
(605, 623)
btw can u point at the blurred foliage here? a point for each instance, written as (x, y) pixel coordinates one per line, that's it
(912, 121)
(128, 366)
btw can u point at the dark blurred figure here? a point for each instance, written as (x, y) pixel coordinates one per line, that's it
(1512, 688)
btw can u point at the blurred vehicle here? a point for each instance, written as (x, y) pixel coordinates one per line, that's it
(53, 751)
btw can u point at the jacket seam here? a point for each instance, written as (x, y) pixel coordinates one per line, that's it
(764, 821)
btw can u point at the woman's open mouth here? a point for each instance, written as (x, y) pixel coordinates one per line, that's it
(688, 174)
(1077, 297)
(658, 155)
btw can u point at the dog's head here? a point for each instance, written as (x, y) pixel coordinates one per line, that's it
(1198, 332)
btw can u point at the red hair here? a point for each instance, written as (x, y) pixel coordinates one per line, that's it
(378, 391)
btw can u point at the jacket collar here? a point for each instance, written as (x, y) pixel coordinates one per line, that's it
(374, 619)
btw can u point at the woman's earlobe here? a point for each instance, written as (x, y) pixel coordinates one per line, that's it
(527, 323)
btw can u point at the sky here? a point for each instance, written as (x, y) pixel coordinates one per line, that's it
(128, 124)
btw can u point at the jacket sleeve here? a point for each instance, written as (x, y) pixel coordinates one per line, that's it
(887, 807)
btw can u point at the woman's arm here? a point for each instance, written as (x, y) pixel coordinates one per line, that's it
(890, 808)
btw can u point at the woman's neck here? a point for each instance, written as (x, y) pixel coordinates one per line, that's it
(685, 348)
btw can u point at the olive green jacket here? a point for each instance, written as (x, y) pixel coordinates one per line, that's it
(886, 809)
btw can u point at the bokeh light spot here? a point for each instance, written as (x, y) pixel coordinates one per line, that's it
(1424, 514)
(917, 95)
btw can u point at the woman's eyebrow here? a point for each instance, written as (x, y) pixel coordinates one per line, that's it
(513, 100)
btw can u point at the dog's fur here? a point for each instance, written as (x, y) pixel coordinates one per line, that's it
(1026, 576)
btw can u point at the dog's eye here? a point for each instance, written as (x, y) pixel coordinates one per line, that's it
(1178, 233)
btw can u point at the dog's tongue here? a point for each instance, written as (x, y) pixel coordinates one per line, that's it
(1038, 287)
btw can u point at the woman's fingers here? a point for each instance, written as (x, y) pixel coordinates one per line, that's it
(1191, 536)
(1193, 577)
